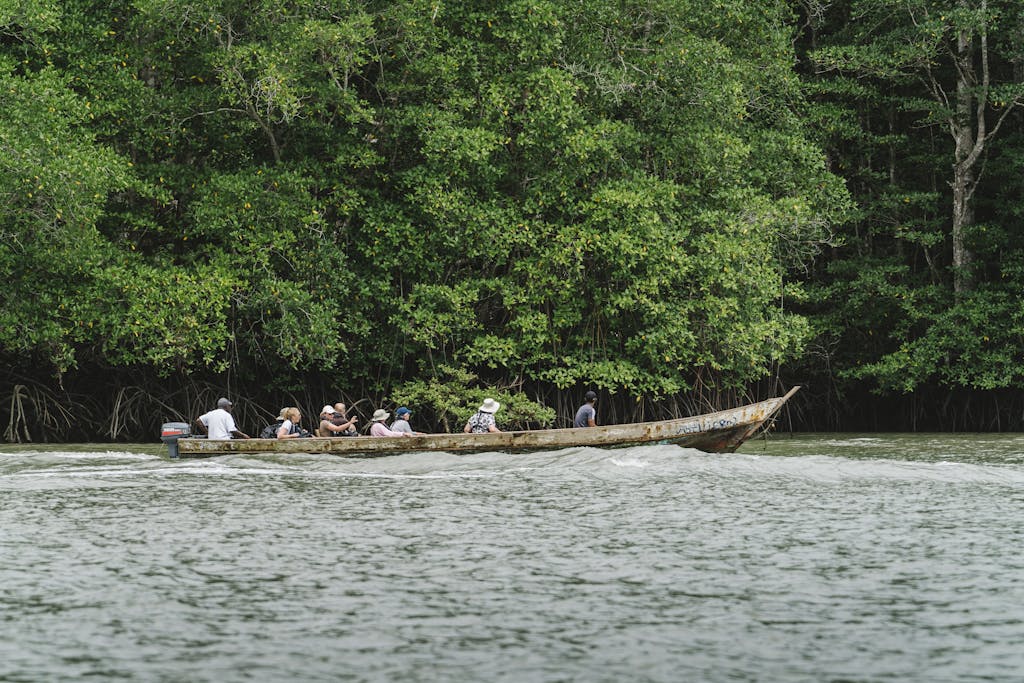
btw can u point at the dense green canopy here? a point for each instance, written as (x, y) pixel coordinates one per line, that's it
(918, 105)
(430, 202)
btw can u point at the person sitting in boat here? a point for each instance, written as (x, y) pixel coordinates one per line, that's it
(328, 425)
(219, 424)
(341, 417)
(586, 416)
(379, 428)
(401, 423)
(270, 431)
(290, 428)
(483, 421)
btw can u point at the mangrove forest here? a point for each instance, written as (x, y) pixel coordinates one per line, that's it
(679, 205)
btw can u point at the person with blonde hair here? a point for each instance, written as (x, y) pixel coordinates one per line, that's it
(290, 429)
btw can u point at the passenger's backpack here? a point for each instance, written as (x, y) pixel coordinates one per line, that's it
(270, 431)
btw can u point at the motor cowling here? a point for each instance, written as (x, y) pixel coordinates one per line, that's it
(170, 432)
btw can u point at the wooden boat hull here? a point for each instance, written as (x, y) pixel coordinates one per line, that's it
(720, 432)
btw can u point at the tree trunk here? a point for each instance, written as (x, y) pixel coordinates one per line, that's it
(966, 155)
(963, 218)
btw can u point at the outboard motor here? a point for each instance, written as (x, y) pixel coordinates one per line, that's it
(171, 432)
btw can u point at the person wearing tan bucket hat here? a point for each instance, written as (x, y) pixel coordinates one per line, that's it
(483, 421)
(379, 428)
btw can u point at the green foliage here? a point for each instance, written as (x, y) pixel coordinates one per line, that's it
(168, 320)
(587, 197)
(885, 84)
(975, 344)
(55, 180)
(454, 395)
(540, 194)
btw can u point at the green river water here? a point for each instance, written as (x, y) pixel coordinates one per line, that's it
(853, 557)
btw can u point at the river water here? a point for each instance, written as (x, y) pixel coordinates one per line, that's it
(807, 558)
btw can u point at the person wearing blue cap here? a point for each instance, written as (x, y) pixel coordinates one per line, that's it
(401, 423)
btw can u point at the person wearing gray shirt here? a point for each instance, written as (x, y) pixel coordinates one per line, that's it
(586, 416)
(401, 423)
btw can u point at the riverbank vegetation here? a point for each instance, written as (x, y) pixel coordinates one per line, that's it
(680, 205)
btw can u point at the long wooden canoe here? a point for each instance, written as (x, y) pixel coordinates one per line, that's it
(720, 432)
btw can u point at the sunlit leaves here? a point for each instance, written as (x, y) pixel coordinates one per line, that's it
(604, 193)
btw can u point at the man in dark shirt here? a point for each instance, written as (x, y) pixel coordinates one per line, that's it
(341, 418)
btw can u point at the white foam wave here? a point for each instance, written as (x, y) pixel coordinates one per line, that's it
(836, 469)
(645, 462)
(78, 455)
(629, 462)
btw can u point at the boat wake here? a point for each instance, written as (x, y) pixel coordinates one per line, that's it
(111, 467)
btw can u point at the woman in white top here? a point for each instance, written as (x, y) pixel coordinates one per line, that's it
(292, 416)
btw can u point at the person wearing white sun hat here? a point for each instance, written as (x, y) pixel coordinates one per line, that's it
(483, 421)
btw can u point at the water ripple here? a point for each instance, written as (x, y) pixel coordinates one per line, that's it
(855, 559)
